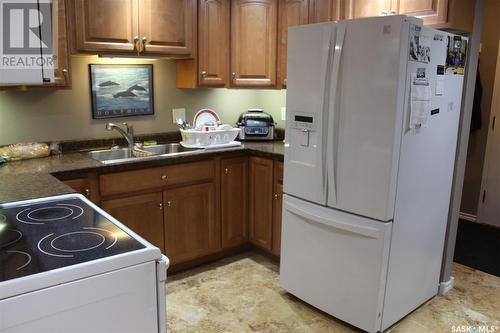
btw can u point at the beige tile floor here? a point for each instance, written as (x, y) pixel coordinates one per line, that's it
(241, 294)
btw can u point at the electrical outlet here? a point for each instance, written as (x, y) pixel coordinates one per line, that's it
(283, 113)
(178, 114)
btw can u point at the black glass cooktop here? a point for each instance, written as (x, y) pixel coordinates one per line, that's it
(40, 237)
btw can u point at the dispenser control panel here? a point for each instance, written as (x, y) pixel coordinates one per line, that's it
(305, 121)
(303, 124)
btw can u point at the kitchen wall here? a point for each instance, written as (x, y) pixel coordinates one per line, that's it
(54, 115)
(477, 141)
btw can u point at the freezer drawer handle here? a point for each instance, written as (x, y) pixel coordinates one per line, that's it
(355, 229)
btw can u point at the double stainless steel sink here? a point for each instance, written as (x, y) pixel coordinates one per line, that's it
(118, 155)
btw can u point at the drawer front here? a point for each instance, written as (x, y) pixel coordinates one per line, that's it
(151, 178)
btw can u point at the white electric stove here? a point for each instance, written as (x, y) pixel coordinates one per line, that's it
(68, 266)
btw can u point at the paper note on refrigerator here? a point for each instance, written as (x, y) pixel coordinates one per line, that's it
(420, 100)
(439, 85)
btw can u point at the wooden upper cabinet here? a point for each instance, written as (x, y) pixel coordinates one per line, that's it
(141, 213)
(158, 27)
(254, 43)
(433, 12)
(324, 10)
(364, 8)
(234, 197)
(167, 26)
(62, 76)
(105, 25)
(213, 42)
(292, 13)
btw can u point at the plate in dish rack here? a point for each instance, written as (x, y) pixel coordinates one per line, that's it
(220, 145)
(205, 116)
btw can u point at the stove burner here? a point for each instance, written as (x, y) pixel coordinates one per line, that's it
(9, 236)
(27, 256)
(68, 244)
(77, 239)
(49, 214)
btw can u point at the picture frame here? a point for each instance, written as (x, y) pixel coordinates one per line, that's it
(121, 90)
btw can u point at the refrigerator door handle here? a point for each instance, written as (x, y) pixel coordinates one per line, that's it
(336, 224)
(324, 141)
(333, 118)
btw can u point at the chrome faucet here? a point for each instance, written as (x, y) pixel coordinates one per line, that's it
(128, 135)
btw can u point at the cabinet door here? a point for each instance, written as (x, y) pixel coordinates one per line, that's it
(364, 8)
(141, 213)
(253, 42)
(277, 207)
(190, 224)
(324, 10)
(292, 12)
(166, 26)
(431, 11)
(234, 189)
(105, 25)
(213, 42)
(261, 202)
(86, 186)
(62, 76)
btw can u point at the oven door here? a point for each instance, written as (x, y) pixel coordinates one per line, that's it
(335, 261)
(125, 300)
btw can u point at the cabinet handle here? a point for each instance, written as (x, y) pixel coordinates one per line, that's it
(163, 177)
(160, 205)
(136, 40)
(87, 192)
(203, 73)
(226, 171)
(233, 75)
(65, 71)
(383, 13)
(144, 41)
(169, 204)
(276, 196)
(393, 12)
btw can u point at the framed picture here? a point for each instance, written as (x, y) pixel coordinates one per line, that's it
(121, 90)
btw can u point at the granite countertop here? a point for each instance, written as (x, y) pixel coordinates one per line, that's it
(34, 178)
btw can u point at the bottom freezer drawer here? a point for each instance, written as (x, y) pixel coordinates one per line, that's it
(335, 261)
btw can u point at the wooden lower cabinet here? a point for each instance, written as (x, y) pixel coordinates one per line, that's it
(261, 202)
(266, 194)
(196, 213)
(86, 185)
(191, 229)
(234, 198)
(277, 207)
(141, 213)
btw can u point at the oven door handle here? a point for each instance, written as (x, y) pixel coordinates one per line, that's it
(161, 279)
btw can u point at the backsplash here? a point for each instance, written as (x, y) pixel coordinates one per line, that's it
(57, 115)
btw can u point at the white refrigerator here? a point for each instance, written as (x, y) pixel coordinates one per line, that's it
(373, 110)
